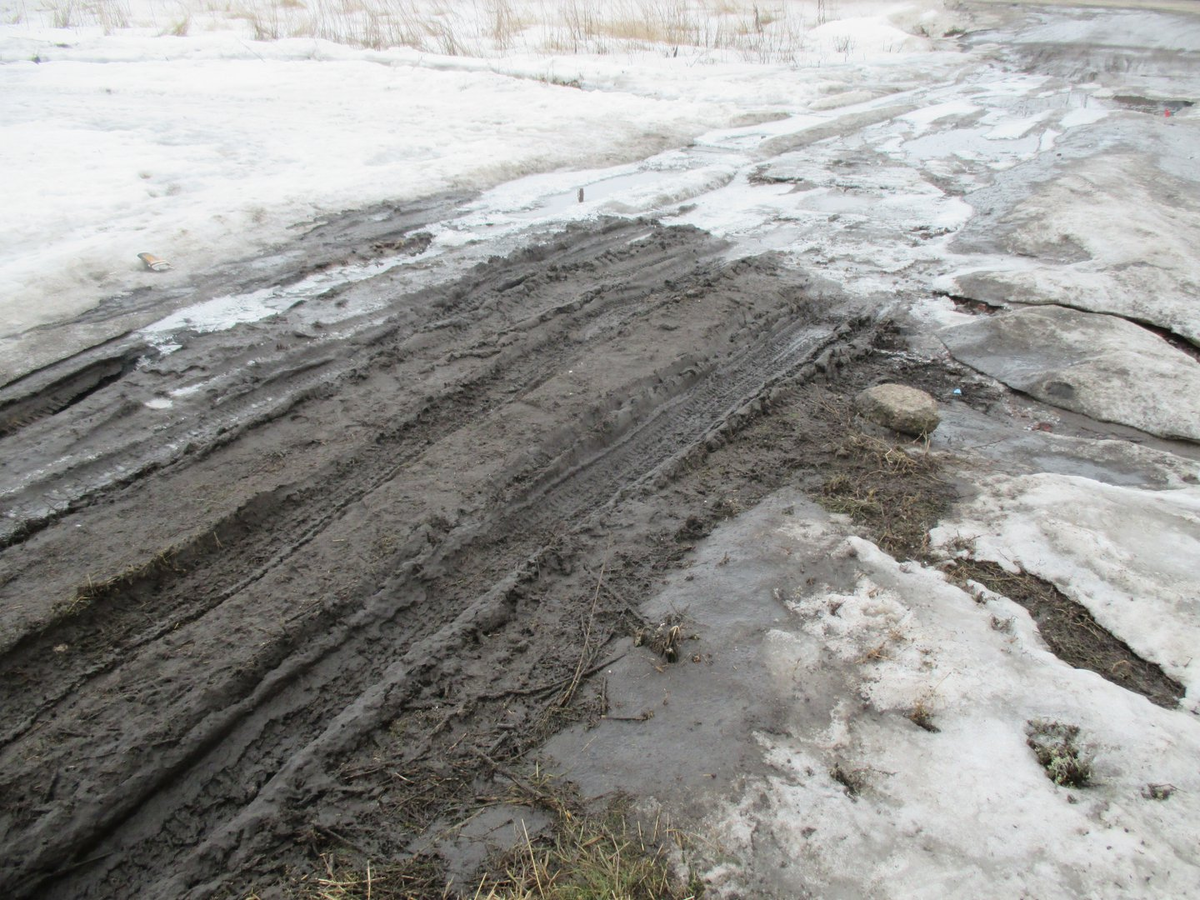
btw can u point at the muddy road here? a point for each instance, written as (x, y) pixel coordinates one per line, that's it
(309, 580)
(215, 610)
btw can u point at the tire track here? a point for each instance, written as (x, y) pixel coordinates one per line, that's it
(209, 701)
(523, 368)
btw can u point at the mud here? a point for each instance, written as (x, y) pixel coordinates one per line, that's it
(263, 609)
(1073, 633)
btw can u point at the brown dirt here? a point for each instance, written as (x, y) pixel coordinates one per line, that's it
(315, 610)
(1072, 632)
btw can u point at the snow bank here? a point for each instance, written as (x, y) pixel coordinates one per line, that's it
(199, 160)
(166, 127)
(864, 802)
(1128, 555)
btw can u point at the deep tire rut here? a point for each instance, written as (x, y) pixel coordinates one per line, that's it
(175, 703)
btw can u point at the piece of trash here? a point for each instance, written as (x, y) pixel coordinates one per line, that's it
(1043, 426)
(153, 263)
(581, 195)
(1166, 113)
(958, 392)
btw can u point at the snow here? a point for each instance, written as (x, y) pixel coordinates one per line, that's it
(202, 160)
(966, 811)
(1126, 554)
(212, 146)
(818, 647)
(1102, 366)
(1083, 116)
(922, 119)
(1135, 227)
(1120, 29)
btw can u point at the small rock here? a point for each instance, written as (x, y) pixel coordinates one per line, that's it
(900, 408)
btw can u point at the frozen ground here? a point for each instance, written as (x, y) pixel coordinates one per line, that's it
(495, 364)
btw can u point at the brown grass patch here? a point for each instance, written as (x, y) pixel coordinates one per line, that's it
(1072, 632)
(893, 492)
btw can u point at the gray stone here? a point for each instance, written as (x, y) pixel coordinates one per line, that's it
(900, 408)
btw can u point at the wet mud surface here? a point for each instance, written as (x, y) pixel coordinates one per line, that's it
(353, 564)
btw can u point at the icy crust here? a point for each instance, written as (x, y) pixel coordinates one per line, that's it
(1101, 366)
(1129, 555)
(1114, 235)
(867, 804)
(1118, 29)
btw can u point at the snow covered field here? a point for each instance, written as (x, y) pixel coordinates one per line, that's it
(1028, 208)
(211, 145)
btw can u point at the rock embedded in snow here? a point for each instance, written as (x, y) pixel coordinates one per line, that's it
(1101, 366)
(900, 408)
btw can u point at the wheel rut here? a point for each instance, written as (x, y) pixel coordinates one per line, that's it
(200, 690)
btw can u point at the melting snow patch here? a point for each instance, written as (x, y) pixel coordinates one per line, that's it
(1128, 555)
(920, 757)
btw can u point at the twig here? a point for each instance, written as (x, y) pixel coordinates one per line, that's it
(643, 717)
(329, 832)
(569, 695)
(523, 783)
(533, 861)
(83, 862)
(546, 688)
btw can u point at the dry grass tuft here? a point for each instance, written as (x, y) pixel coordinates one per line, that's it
(664, 638)
(1057, 748)
(896, 494)
(853, 780)
(421, 876)
(737, 29)
(609, 856)
(922, 716)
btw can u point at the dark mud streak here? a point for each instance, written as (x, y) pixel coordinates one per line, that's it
(295, 372)
(310, 773)
(289, 516)
(68, 390)
(1074, 635)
